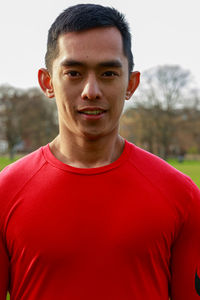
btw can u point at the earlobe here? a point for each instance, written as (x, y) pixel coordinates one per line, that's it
(134, 82)
(44, 79)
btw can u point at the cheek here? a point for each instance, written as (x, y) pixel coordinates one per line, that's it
(64, 98)
(117, 93)
(118, 99)
(121, 91)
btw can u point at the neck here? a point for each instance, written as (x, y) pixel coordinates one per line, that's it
(81, 152)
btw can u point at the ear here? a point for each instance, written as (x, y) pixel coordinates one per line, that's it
(44, 79)
(134, 81)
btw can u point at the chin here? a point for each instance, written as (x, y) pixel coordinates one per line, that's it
(90, 136)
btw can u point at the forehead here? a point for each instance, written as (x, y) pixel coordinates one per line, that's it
(92, 45)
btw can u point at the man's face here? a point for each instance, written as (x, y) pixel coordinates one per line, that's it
(90, 81)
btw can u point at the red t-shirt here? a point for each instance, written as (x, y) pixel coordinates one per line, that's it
(128, 230)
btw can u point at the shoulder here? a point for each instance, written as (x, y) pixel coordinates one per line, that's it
(162, 175)
(24, 167)
(16, 175)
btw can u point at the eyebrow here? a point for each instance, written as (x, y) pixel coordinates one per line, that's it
(70, 62)
(110, 63)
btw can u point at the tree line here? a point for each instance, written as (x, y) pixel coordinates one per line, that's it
(28, 119)
(164, 118)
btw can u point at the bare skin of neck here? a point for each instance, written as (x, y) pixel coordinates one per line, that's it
(81, 152)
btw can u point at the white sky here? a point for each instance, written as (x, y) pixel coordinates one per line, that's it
(164, 32)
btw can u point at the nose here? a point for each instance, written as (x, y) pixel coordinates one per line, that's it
(91, 89)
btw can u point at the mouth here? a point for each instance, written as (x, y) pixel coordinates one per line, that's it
(91, 112)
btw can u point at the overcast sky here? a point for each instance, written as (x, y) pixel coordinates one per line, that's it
(164, 32)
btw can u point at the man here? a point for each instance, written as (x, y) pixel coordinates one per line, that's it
(91, 216)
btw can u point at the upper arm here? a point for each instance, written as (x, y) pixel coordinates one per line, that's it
(4, 271)
(185, 261)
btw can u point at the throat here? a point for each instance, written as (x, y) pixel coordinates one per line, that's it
(87, 155)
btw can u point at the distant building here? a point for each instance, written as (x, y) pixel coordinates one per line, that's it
(3, 146)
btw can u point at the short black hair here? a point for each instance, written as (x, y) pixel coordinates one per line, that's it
(83, 17)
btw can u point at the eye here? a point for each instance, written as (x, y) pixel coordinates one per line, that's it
(73, 74)
(110, 74)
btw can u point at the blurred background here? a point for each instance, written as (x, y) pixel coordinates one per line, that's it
(162, 117)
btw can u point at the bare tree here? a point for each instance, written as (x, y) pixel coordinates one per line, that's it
(10, 101)
(162, 91)
(37, 119)
(26, 117)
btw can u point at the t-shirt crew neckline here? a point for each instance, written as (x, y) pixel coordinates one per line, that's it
(50, 158)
